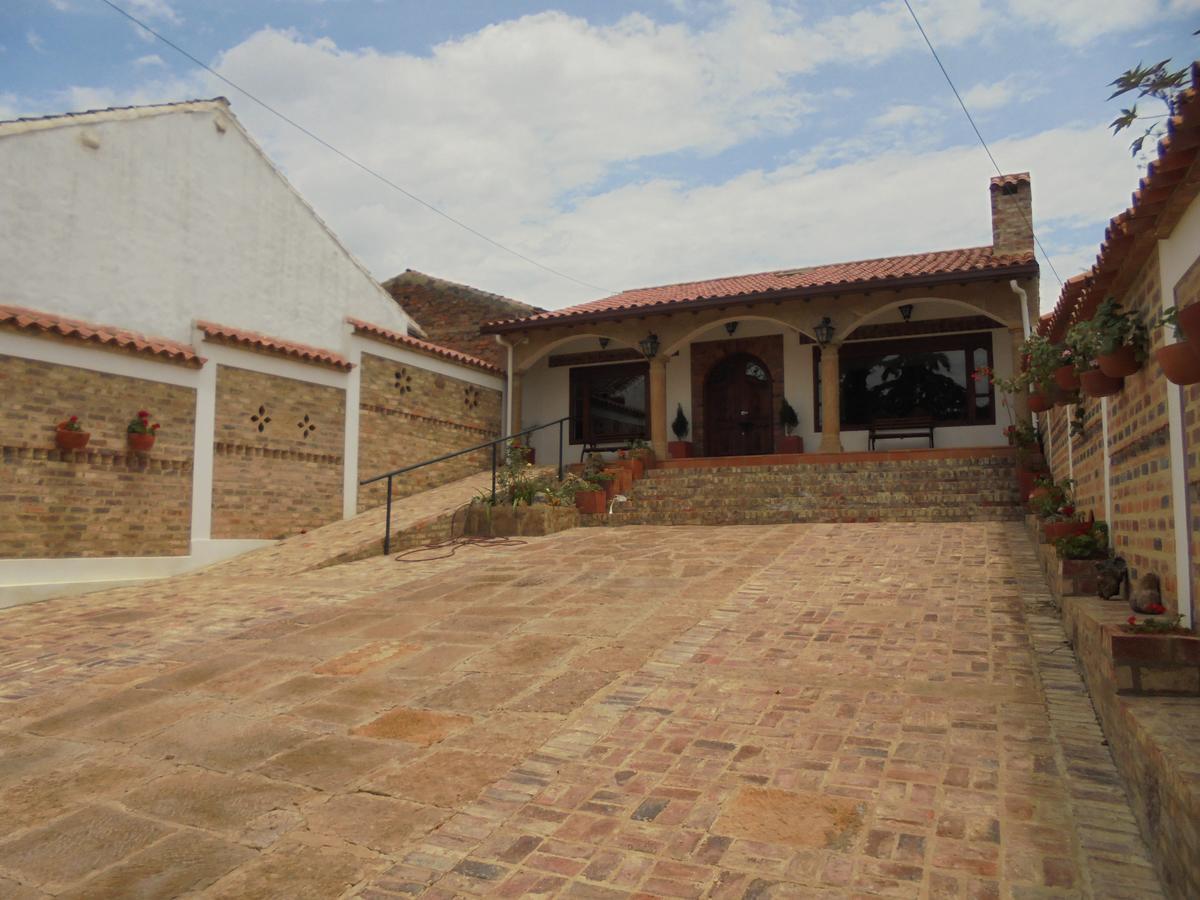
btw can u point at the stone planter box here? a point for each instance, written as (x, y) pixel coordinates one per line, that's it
(527, 521)
(1154, 663)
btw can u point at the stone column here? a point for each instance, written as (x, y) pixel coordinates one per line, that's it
(831, 401)
(1019, 401)
(658, 406)
(515, 424)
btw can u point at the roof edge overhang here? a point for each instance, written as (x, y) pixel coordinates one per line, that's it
(1016, 270)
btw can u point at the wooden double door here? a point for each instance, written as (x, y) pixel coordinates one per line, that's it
(738, 407)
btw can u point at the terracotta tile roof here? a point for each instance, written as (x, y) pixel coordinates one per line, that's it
(1155, 208)
(1000, 181)
(33, 320)
(890, 271)
(403, 340)
(256, 341)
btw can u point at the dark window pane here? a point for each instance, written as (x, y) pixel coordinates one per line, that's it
(608, 403)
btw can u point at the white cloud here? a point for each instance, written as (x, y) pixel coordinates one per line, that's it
(150, 59)
(60, 5)
(906, 114)
(35, 42)
(153, 9)
(1077, 22)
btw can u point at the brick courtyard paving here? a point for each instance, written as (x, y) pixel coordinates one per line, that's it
(773, 711)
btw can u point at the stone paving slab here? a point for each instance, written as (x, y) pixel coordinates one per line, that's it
(794, 710)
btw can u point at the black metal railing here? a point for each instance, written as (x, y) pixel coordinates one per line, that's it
(387, 527)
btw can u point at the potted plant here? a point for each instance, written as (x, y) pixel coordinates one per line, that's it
(1123, 340)
(788, 420)
(1179, 361)
(1043, 359)
(681, 447)
(523, 451)
(1085, 342)
(69, 435)
(1088, 545)
(590, 499)
(1065, 375)
(142, 433)
(642, 451)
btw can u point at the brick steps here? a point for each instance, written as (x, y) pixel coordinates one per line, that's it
(928, 489)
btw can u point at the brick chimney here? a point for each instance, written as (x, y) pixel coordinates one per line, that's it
(1012, 214)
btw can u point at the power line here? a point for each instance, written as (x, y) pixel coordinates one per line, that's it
(986, 149)
(350, 159)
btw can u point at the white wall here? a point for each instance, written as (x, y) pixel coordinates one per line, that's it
(546, 390)
(168, 220)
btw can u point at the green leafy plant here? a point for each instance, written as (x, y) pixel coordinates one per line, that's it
(680, 426)
(1083, 338)
(1091, 545)
(1052, 501)
(141, 425)
(787, 417)
(1170, 316)
(1155, 626)
(70, 424)
(1044, 357)
(1117, 328)
(1157, 81)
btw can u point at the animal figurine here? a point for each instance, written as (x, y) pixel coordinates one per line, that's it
(1112, 579)
(1147, 595)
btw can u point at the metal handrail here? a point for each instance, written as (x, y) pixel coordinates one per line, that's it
(387, 526)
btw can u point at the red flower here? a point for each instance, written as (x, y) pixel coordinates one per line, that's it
(74, 418)
(1132, 620)
(155, 426)
(142, 414)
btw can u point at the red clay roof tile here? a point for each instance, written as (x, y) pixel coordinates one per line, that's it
(1121, 248)
(403, 340)
(811, 279)
(33, 320)
(302, 352)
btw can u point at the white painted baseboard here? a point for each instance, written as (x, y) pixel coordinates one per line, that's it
(29, 580)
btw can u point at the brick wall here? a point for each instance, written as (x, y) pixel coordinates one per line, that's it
(1012, 218)
(1187, 292)
(103, 501)
(706, 354)
(1142, 525)
(450, 313)
(278, 447)
(408, 414)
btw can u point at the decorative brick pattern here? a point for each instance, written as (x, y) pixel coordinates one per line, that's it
(706, 354)
(102, 501)
(286, 476)
(408, 414)
(1012, 214)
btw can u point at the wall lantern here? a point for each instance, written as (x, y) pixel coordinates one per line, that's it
(906, 311)
(604, 343)
(730, 328)
(649, 345)
(824, 331)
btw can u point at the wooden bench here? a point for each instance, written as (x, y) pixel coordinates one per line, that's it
(907, 427)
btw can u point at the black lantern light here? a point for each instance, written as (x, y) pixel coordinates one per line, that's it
(730, 328)
(906, 311)
(824, 331)
(649, 345)
(604, 343)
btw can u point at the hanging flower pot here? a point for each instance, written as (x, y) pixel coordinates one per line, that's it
(141, 443)
(1189, 324)
(1066, 379)
(69, 435)
(1096, 384)
(1179, 362)
(1039, 402)
(66, 439)
(1121, 363)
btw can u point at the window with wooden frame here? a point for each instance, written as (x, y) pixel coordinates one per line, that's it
(916, 377)
(609, 403)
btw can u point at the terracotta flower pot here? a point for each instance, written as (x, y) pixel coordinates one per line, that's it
(140, 443)
(790, 443)
(1056, 530)
(591, 502)
(1118, 365)
(71, 440)
(1096, 384)
(680, 449)
(1189, 324)
(1039, 402)
(1066, 379)
(1179, 362)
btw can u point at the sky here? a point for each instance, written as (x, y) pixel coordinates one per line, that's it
(627, 144)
